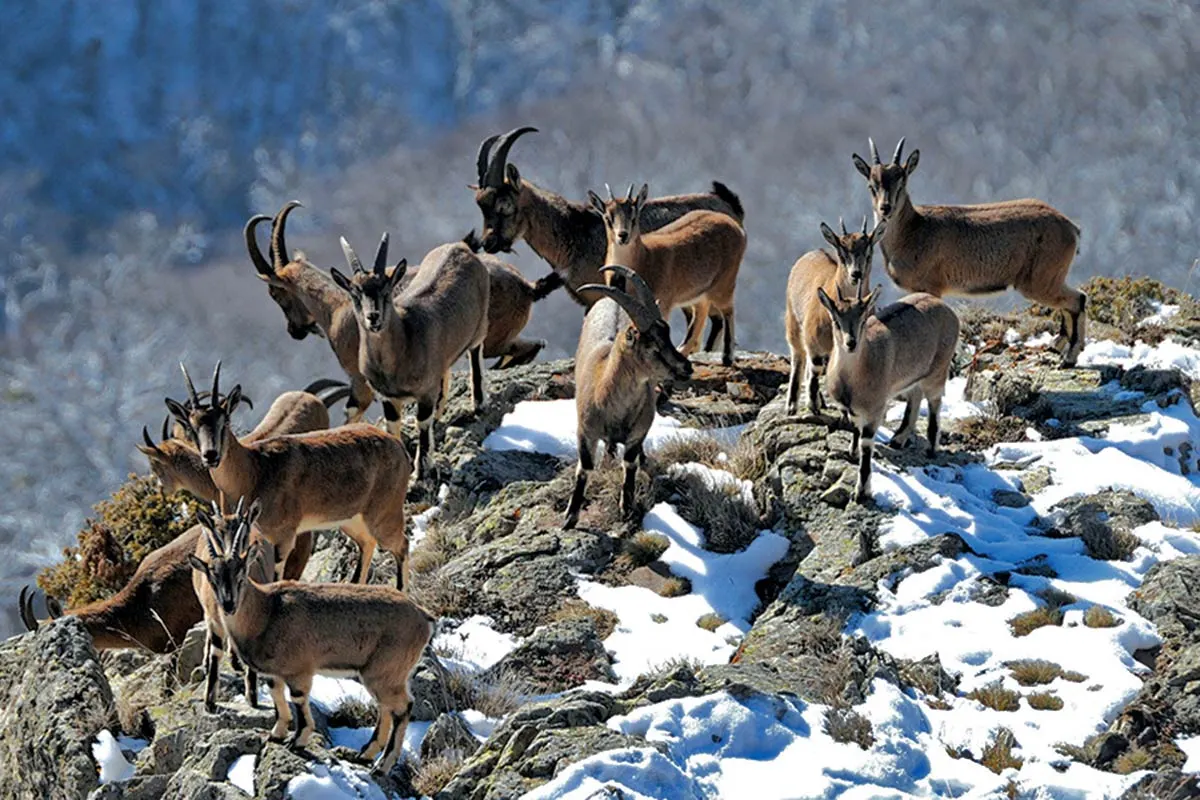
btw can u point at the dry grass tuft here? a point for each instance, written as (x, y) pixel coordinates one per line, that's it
(710, 622)
(1107, 544)
(980, 433)
(641, 549)
(432, 774)
(747, 461)
(1045, 701)
(675, 586)
(684, 449)
(729, 522)
(998, 756)
(1034, 672)
(1100, 617)
(845, 726)
(1073, 676)
(437, 593)
(1131, 761)
(604, 620)
(354, 713)
(995, 696)
(1057, 598)
(1030, 621)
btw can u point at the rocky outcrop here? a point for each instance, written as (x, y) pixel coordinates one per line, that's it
(557, 657)
(54, 698)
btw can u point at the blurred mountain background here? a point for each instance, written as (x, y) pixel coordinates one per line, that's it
(136, 138)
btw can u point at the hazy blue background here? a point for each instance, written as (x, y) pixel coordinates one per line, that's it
(136, 137)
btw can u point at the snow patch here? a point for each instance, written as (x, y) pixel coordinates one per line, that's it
(241, 773)
(107, 752)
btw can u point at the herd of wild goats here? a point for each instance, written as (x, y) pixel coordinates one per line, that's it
(630, 261)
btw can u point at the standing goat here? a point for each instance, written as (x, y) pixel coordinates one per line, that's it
(291, 631)
(977, 249)
(624, 352)
(692, 261)
(354, 477)
(407, 344)
(903, 351)
(158, 605)
(565, 234)
(809, 329)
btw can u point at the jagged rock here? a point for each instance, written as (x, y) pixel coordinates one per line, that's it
(1168, 784)
(183, 728)
(1030, 384)
(54, 698)
(534, 743)
(448, 733)
(148, 787)
(276, 765)
(1105, 521)
(557, 657)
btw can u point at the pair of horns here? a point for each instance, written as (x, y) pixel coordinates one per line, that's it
(895, 156)
(166, 434)
(243, 519)
(193, 396)
(490, 166)
(25, 607)
(352, 259)
(628, 195)
(846, 232)
(277, 252)
(640, 305)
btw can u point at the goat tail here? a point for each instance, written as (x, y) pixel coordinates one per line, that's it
(729, 196)
(545, 285)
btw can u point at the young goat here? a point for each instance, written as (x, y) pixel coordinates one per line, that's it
(809, 329)
(177, 465)
(905, 350)
(290, 631)
(692, 261)
(565, 234)
(977, 249)
(510, 304)
(354, 477)
(408, 344)
(311, 303)
(624, 351)
(158, 605)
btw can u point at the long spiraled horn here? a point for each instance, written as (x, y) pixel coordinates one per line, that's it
(351, 257)
(193, 398)
(25, 608)
(381, 255)
(899, 150)
(146, 438)
(260, 262)
(642, 317)
(874, 150)
(279, 251)
(495, 171)
(216, 392)
(481, 160)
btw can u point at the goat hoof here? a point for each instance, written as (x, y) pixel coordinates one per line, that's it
(570, 522)
(273, 739)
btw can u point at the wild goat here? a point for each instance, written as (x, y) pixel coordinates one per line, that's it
(407, 344)
(354, 477)
(177, 465)
(624, 351)
(809, 329)
(290, 631)
(903, 351)
(692, 261)
(977, 249)
(157, 606)
(565, 234)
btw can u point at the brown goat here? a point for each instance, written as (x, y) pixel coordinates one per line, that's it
(568, 235)
(692, 261)
(408, 342)
(809, 328)
(158, 605)
(624, 352)
(977, 249)
(354, 477)
(291, 631)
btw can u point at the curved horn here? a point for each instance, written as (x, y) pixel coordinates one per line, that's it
(279, 251)
(608, 189)
(629, 194)
(351, 257)
(381, 255)
(260, 262)
(864, 229)
(874, 150)
(193, 398)
(481, 160)
(899, 150)
(25, 607)
(495, 171)
(842, 222)
(53, 607)
(216, 393)
(146, 438)
(642, 317)
(641, 291)
(166, 428)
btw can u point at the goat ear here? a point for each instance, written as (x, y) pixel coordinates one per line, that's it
(397, 274)
(831, 237)
(512, 176)
(872, 297)
(877, 234)
(178, 412)
(825, 301)
(911, 163)
(596, 202)
(863, 168)
(342, 281)
(643, 194)
(198, 564)
(255, 510)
